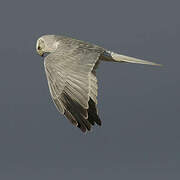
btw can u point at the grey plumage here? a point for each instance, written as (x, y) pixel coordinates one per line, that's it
(70, 69)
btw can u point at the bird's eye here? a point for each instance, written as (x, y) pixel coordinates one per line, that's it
(39, 48)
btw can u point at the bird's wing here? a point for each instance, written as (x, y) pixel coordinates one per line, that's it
(73, 84)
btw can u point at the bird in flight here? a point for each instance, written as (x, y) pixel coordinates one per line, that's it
(70, 68)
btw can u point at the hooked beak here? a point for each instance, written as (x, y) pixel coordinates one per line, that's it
(40, 52)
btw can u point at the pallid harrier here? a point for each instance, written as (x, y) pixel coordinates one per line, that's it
(71, 73)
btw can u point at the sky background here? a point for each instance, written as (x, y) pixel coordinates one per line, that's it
(139, 105)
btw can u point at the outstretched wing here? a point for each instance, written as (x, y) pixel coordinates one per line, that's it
(73, 84)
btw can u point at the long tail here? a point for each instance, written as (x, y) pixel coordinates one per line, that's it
(111, 56)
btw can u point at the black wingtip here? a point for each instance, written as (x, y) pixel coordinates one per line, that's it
(92, 113)
(86, 124)
(77, 114)
(81, 127)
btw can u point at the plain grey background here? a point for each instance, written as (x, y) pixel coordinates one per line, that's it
(139, 105)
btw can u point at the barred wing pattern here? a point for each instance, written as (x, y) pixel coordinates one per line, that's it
(73, 84)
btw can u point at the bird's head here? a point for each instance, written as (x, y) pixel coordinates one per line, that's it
(46, 44)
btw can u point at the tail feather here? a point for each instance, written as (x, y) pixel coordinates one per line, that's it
(111, 56)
